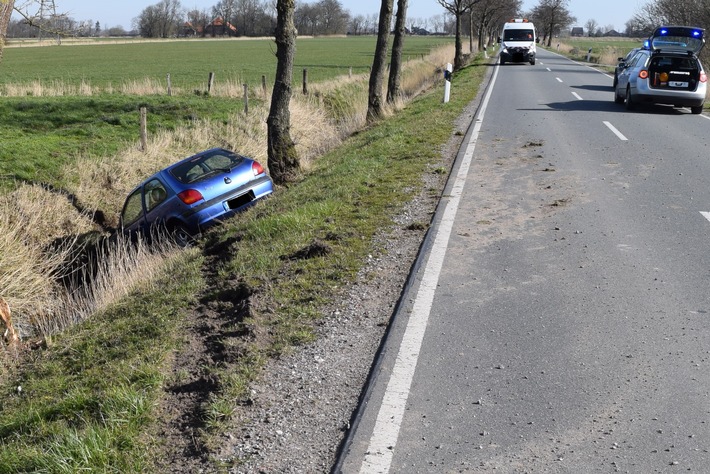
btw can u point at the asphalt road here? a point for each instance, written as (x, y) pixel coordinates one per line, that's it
(559, 319)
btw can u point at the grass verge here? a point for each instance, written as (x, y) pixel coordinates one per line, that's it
(91, 400)
(84, 403)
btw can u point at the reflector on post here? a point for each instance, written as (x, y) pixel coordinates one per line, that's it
(447, 82)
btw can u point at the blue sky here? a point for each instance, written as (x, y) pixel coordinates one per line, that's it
(121, 12)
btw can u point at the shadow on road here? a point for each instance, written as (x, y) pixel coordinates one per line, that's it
(607, 106)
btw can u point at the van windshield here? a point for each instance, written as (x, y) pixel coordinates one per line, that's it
(518, 35)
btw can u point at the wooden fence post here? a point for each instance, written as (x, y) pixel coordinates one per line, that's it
(305, 81)
(263, 84)
(210, 83)
(144, 129)
(170, 87)
(246, 99)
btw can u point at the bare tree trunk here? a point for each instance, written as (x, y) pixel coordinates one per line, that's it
(375, 107)
(470, 32)
(458, 55)
(393, 86)
(283, 160)
(6, 7)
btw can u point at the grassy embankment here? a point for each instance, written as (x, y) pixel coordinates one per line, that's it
(89, 399)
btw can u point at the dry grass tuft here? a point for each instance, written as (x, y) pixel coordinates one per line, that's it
(27, 274)
(39, 89)
(40, 231)
(120, 267)
(46, 215)
(146, 86)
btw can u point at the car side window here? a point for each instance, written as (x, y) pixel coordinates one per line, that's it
(133, 209)
(632, 62)
(155, 193)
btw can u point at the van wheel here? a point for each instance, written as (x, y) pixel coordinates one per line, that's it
(697, 110)
(629, 103)
(617, 98)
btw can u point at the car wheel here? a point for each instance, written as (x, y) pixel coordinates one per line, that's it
(616, 82)
(180, 235)
(697, 110)
(617, 98)
(502, 62)
(532, 63)
(629, 103)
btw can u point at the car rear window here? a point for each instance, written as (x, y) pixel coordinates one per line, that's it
(202, 166)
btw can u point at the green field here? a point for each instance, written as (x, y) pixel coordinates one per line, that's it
(38, 135)
(189, 62)
(605, 51)
(584, 43)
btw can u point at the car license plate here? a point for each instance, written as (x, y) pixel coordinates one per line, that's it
(677, 84)
(239, 201)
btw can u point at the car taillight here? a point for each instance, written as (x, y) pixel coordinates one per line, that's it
(257, 168)
(190, 196)
(703, 77)
(643, 74)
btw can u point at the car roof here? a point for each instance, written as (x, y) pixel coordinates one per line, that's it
(163, 173)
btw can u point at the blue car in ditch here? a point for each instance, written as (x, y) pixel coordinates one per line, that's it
(193, 194)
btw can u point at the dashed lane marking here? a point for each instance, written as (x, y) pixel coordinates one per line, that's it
(615, 131)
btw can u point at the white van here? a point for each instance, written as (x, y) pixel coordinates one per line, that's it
(517, 42)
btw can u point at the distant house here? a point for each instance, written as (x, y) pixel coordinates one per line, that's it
(187, 29)
(419, 31)
(613, 33)
(219, 27)
(577, 31)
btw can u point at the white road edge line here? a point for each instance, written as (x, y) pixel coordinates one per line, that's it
(577, 96)
(548, 69)
(705, 215)
(558, 79)
(616, 132)
(705, 116)
(378, 457)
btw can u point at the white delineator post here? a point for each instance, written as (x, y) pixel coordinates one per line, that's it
(447, 82)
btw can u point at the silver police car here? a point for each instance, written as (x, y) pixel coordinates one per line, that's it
(666, 71)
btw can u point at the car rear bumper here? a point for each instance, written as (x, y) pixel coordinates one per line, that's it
(210, 212)
(684, 98)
